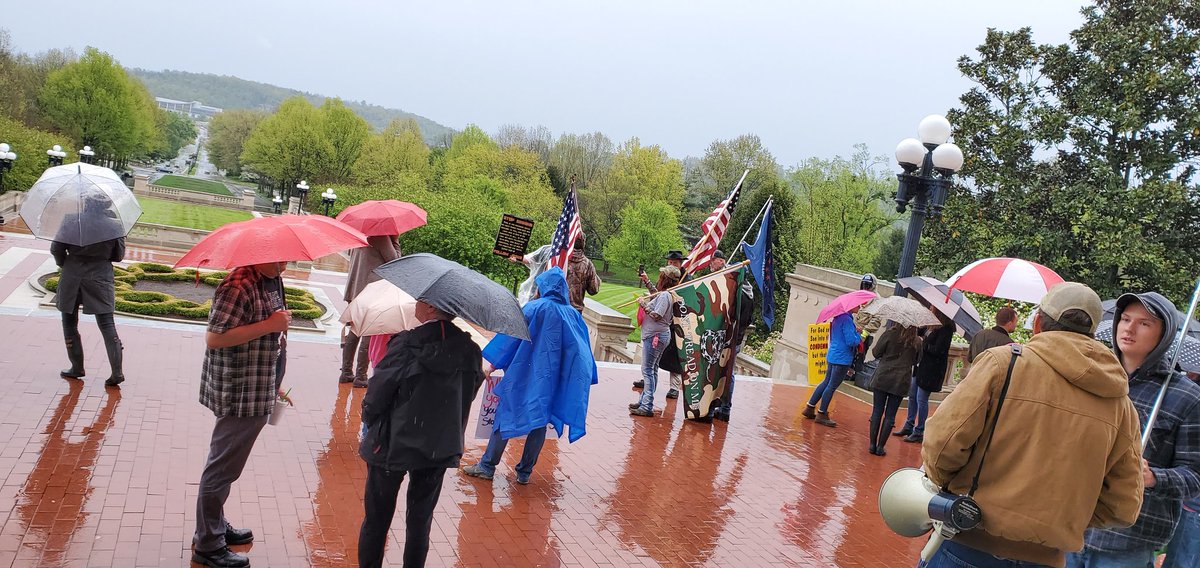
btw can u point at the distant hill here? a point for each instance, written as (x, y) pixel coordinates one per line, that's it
(228, 92)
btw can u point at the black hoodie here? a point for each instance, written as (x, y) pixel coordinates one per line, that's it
(1174, 448)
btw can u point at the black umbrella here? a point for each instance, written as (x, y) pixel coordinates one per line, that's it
(951, 302)
(456, 289)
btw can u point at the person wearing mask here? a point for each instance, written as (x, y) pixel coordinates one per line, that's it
(1144, 328)
(656, 336)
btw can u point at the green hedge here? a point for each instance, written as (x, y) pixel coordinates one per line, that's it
(301, 302)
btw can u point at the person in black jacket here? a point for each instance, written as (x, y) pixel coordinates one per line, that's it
(415, 411)
(929, 377)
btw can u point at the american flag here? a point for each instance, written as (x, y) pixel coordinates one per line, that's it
(711, 231)
(566, 232)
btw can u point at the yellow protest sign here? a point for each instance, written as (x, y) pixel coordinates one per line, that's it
(818, 346)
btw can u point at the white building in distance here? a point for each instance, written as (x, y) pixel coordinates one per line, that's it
(194, 109)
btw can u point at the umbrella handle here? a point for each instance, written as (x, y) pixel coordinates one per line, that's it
(1162, 392)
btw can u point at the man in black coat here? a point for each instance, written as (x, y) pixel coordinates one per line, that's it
(416, 410)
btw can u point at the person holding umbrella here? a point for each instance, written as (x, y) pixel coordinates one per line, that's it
(86, 279)
(1146, 327)
(844, 338)
(363, 262)
(897, 353)
(929, 377)
(239, 383)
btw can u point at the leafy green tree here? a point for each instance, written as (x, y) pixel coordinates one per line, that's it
(1068, 145)
(289, 145)
(586, 157)
(396, 152)
(95, 103)
(842, 211)
(175, 132)
(227, 134)
(650, 226)
(638, 172)
(347, 133)
(721, 167)
(22, 77)
(30, 146)
(887, 263)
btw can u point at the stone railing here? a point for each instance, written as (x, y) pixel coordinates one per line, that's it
(10, 203)
(141, 186)
(608, 331)
(165, 236)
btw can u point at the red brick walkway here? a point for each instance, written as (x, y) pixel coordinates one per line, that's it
(96, 477)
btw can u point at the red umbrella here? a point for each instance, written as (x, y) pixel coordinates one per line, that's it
(1008, 278)
(388, 217)
(272, 239)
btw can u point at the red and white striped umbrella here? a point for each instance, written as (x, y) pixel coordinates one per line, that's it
(1008, 278)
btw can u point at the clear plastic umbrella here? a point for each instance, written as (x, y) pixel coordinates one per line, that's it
(80, 204)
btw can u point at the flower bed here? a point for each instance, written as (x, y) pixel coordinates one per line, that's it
(152, 289)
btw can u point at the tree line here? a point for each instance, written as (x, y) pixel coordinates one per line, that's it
(74, 101)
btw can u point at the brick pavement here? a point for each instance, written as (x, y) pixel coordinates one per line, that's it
(104, 477)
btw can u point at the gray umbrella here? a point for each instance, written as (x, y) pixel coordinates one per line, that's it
(456, 289)
(950, 302)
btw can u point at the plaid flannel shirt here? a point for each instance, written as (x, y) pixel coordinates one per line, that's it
(240, 380)
(1174, 456)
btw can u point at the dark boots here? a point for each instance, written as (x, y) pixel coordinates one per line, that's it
(824, 419)
(349, 351)
(874, 434)
(884, 429)
(75, 356)
(810, 412)
(116, 352)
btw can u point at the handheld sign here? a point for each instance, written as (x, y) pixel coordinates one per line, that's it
(513, 237)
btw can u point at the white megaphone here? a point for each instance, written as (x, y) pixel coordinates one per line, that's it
(912, 505)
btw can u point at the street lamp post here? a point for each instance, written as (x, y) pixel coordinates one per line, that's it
(328, 197)
(302, 189)
(86, 155)
(278, 201)
(55, 155)
(7, 158)
(920, 159)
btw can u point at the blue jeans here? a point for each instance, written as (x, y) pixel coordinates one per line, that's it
(834, 375)
(495, 450)
(1184, 549)
(1088, 558)
(918, 408)
(954, 555)
(650, 357)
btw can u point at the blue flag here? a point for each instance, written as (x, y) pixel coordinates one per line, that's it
(762, 264)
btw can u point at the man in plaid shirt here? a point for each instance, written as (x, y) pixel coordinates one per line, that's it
(238, 382)
(1144, 328)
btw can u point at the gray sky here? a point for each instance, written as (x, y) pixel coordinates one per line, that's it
(810, 78)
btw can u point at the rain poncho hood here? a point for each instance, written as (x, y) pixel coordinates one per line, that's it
(546, 380)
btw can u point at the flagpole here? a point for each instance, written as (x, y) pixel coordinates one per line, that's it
(738, 248)
(708, 234)
(725, 270)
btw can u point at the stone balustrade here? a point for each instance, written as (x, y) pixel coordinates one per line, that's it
(142, 186)
(608, 331)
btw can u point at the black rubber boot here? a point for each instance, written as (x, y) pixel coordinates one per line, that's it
(75, 356)
(874, 434)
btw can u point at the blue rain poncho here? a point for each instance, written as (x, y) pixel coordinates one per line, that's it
(546, 380)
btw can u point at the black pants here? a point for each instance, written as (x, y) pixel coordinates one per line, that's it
(424, 488)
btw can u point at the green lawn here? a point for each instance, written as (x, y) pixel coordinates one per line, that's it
(193, 184)
(179, 214)
(613, 295)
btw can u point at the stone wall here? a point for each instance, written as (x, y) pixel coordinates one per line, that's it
(608, 331)
(142, 186)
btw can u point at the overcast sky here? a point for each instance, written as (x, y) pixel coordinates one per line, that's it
(810, 78)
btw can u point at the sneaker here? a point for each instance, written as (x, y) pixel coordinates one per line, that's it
(673, 393)
(639, 412)
(639, 384)
(475, 471)
(523, 479)
(114, 381)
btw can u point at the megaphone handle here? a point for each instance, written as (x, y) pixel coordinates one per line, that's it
(935, 542)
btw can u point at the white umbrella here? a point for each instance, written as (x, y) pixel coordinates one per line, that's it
(381, 308)
(904, 311)
(80, 204)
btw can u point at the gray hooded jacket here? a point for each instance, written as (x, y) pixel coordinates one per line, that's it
(1174, 449)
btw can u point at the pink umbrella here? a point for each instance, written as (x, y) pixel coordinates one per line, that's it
(388, 217)
(1008, 278)
(844, 303)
